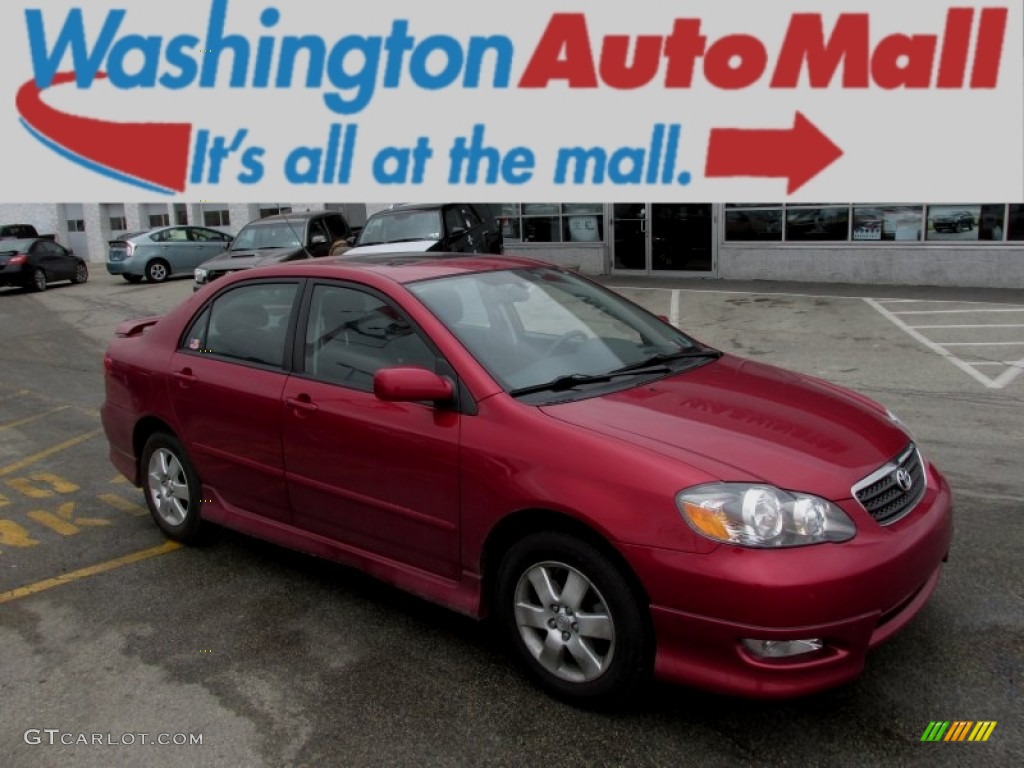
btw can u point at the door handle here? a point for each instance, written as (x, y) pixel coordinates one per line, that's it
(302, 403)
(185, 377)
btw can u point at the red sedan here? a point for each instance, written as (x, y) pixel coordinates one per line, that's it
(510, 439)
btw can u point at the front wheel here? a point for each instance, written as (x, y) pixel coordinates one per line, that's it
(172, 487)
(81, 273)
(575, 622)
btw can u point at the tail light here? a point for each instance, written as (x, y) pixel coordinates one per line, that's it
(21, 258)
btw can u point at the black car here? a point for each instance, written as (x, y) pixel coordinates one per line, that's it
(441, 227)
(277, 239)
(34, 263)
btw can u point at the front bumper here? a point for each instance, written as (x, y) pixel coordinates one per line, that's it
(851, 596)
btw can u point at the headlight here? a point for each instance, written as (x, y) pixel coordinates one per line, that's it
(762, 516)
(200, 275)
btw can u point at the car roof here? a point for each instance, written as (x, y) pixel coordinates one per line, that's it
(399, 207)
(399, 267)
(298, 215)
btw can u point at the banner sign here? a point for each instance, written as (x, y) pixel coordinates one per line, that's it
(703, 101)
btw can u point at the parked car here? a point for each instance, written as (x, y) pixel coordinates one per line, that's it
(277, 239)
(507, 438)
(157, 254)
(34, 263)
(22, 232)
(443, 227)
(958, 221)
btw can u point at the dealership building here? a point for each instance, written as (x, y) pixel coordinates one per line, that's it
(968, 245)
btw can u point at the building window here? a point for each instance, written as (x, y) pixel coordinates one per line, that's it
(216, 217)
(180, 214)
(1015, 223)
(159, 220)
(76, 225)
(862, 224)
(274, 210)
(118, 224)
(819, 223)
(552, 222)
(743, 223)
(887, 222)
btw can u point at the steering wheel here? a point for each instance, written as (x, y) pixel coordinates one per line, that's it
(564, 339)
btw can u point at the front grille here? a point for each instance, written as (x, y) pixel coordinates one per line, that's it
(880, 492)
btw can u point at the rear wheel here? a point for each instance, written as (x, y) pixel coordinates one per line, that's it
(573, 619)
(81, 273)
(133, 278)
(157, 271)
(172, 487)
(38, 283)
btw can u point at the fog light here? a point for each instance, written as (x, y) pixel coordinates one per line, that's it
(781, 649)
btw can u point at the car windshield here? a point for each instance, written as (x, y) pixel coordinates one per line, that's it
(269, 234)
(543, 330)
(401, 226)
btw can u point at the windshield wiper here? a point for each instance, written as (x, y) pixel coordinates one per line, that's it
(668, 357)
(577, 379)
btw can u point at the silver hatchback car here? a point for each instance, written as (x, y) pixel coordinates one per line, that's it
(158, 253)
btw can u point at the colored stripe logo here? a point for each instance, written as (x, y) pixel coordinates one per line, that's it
(958, 730)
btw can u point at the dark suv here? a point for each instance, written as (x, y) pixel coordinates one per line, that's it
(442, 227)
(276, 239)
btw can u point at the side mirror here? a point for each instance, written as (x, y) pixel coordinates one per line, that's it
(318, 240)
(411, 385)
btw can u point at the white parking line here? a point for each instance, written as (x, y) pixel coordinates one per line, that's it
(1013, 368)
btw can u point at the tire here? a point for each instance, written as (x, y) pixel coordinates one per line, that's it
(81, 273)
(38, 284)
(133, 279)
(157, 271)
(172, 488)
(591, 663)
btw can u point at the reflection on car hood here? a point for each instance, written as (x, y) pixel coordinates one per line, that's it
(770, 425)
(232, 260)
(404, 247)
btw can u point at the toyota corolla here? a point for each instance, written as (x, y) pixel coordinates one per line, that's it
(511, 440)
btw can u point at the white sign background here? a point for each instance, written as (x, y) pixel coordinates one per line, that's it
(899, 145)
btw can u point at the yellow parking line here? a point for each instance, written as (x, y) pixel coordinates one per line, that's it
(30, 460)
(30, 419)
(93, 570)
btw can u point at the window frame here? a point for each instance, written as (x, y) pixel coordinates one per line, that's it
(207, 309)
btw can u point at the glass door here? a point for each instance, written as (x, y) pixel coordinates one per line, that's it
(663, 237)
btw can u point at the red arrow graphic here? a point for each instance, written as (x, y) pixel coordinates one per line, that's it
(154, 152)
(799, 153)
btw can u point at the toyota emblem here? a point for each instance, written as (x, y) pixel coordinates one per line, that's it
(904, 480)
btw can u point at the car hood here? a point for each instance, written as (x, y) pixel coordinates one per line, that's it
(403, 247)
(739, 420)
(234, 260)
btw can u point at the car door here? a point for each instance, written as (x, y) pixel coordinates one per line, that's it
(380, 477)
(227, 379)
(204, 244)
(55, 260)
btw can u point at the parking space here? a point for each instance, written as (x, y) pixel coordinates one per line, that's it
(985, 341)
(279, 659)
